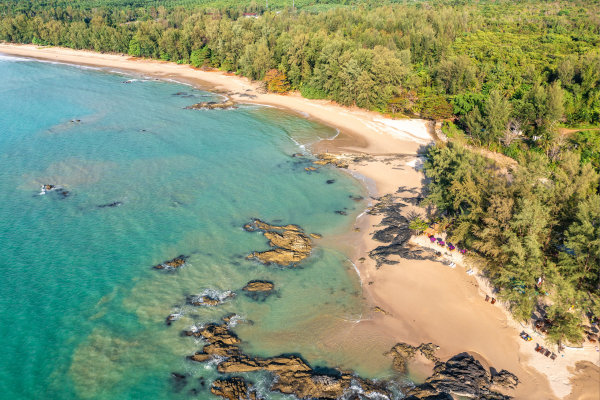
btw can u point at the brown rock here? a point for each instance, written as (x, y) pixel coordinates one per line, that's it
(291, 245)
(310, 169)
(258, 286)
(232, 389)
(381, 310)
(174, 263)
(316, 235)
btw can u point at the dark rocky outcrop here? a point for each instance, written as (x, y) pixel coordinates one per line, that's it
(292, 374)
(210, 105)
(291, 244)
(232, 389)
(462, 375)
(396, 233)
(505, 379)
(172, 317)
(177, 262)
(115, 204)
(402, 352)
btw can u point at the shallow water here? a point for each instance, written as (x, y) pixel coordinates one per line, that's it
(83, 312)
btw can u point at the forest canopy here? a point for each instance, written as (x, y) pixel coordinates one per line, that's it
(485, 67)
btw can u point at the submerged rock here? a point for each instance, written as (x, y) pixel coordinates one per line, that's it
(292, 374)
(462, 375)
(210, 301)
(339, 160)
(172, 317)
(210, 105)
(232, 389)
(316, 235)
(258, 286)
(177, 262)
(179, 381)
(291, 244)
(115, 204)
(341, 212)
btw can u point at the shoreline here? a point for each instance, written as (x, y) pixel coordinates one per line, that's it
(411, 291)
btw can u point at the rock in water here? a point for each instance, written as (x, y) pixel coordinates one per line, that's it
(292, 375)
(172, 264)
(258, 286)
(210, 105)
(291, 244)
(462, 375)
(232, 389)
(316, 235)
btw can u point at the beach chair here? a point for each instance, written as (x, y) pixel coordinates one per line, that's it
(553, 357)
(452, 265)
(493, 300)
(592, 338)
(538, 348)
(547, 353)
(487, 298)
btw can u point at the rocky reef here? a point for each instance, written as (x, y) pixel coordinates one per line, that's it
(232, 389)
(340, 160)
(290, 244)
(402, 352)
(177, 262)
(258, 286)
(210, 105)
(292, 374)
(259, 290)
(462, 375)
(396, 232)
(210, 298)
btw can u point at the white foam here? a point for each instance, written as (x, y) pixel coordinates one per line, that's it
(7, 58)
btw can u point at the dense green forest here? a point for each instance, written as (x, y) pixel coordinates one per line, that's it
(529, 223)
(504, 74)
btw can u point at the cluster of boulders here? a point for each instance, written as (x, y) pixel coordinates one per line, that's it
(292, 374)
(206, 300)
(290, 244)
(462, 375)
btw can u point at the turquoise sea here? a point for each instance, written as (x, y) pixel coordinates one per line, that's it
(83, 312)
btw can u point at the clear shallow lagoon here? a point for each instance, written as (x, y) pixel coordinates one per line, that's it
(83, 314)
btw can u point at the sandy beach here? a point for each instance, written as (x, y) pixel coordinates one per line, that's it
(425, 301)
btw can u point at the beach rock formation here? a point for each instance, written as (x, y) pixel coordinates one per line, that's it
(402, 352)
(232, 389)
(292, 374)
(258, 286)
(396, 233)
(316, 235)
(177, 262)
(462, 375)
(210, 105)
(172, 317)
(115, 204)
(505, 379)
(290, 244)
(339, 160)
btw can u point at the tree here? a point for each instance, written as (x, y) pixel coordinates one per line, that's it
(418, 225)
(276, 81)
(496, 113)
(134, 48)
